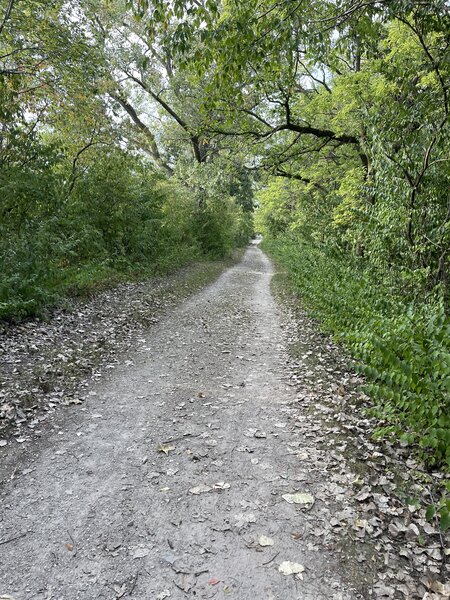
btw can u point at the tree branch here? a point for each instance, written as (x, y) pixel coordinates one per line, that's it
(282, 173)
(303, 129)
(154, 151)
(7, 15)
(194, 138)
(74, 176)
(181, 122)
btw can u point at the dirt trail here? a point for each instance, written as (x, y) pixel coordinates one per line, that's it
(162, 483)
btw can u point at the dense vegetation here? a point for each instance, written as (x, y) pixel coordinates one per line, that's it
(134, 132)
(365, 233)
(86, 195)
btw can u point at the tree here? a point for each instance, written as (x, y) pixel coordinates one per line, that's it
(147, 84)
(348, 97)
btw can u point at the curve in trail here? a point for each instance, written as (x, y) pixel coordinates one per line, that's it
(161, 486)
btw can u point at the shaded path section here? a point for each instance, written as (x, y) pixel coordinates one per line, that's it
(161, 485)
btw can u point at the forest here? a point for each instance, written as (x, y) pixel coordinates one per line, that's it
(138, 136)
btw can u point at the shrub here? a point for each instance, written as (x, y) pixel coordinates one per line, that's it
(402, 345)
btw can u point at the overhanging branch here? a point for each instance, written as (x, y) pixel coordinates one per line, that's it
(153, 148)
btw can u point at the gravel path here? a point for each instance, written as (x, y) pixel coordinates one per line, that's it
(179, 476)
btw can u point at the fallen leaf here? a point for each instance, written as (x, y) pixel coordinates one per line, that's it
(363, 495)
(185, 581)
(3, 443)
(441, 588)
(265, 541)
(75, 401)
(120, 591)
(244, 518)
(200, 489)
(213, 581)
(166, 448)
(69, 548)
(291, 568)
(222, 485)
(299, 498)
(412, 532)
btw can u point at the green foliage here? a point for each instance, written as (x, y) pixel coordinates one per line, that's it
(402, 346)
(362, 224)
(86, 194)
(119, 219)
(26, 271)
(224, 201)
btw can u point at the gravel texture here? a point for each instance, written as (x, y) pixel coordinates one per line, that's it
(199, 466)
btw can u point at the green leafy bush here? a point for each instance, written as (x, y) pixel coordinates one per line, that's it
(402, 346)
(120, 219)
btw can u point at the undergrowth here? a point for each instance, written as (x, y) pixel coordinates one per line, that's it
(401, 344)
(120, 222)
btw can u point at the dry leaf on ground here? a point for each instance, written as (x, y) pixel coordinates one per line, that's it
(244, 518)
(265, 541)
(141, 552)
(222, 485)
(291, 568)
(299, 498)
(200, 489)
(166, 448)
(441, 588)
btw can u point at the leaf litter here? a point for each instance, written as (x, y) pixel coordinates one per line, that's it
(204, 489)
(291, 568)
(265, 541)
(244, 519)
(384, 490)
(300, 498)
(375, 511)
(165, 448)
(43, 363)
